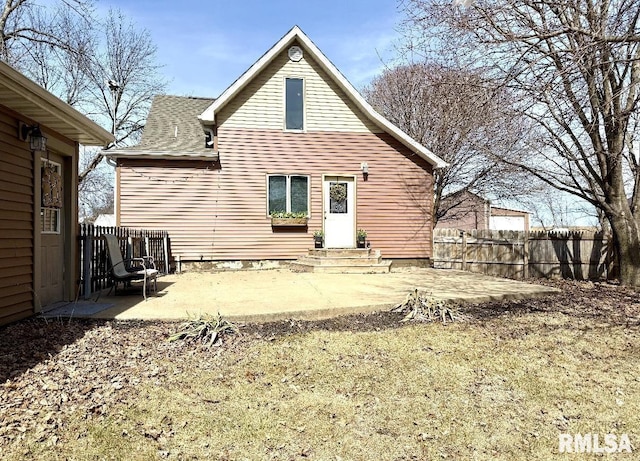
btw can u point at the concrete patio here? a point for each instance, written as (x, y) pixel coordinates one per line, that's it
(266, 295)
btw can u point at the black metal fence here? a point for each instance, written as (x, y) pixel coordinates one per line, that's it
(134, 243)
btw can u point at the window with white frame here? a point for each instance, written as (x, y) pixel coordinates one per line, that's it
(288, 194)
(51, 175)
(294, 104)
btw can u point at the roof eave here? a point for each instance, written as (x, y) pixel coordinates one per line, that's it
(161, 155)
(37, 103)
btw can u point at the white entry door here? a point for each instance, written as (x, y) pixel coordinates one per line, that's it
(339, 212)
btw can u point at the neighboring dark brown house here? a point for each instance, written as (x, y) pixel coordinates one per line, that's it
(287, 136)
(468, 211)
(38, 195)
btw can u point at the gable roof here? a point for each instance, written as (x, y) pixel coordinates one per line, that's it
(172, 130)
(466, 193)
(20, 94)
(295, 34)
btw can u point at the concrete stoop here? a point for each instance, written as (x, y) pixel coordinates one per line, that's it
(342, 261)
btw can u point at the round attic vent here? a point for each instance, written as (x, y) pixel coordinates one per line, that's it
(295, 53)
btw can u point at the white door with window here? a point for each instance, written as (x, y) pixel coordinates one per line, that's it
(339, 211)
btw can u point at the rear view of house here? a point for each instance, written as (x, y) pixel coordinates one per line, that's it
(39, 141)
(290, 136)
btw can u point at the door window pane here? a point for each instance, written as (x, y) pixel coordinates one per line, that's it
(51, 178)
(294, 104)
(50, 220)
(338, 198)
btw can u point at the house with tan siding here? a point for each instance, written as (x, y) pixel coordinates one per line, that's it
(38, 195)
(290, 135)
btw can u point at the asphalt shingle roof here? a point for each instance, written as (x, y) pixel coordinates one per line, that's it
(173, 125)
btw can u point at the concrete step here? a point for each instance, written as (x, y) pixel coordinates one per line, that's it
(340, 260)
(344, 252)
(347, 267)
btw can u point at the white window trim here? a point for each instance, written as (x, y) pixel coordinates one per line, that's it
(284, 104)
(44, 162)
(288, 191)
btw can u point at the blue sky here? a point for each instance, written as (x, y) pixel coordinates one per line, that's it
(205, 45)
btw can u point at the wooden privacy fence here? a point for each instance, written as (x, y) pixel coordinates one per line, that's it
(134, 243)
(579, 255)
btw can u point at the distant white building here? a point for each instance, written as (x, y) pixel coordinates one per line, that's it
(507, 219)
(105, 220)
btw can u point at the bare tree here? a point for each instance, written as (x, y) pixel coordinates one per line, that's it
(22, 25)
(105, 67)
(575, 67)
(74, 54)
(60, 69)
(95, 193)
(124, 78)
(458, 115)
(553, 209)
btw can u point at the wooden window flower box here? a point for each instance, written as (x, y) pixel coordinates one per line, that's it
(297, 222)
(289, 219)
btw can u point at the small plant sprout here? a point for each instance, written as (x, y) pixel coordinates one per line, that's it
(362, 234)
(318, 234)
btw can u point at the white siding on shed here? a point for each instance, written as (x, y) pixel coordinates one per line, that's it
(512, 223)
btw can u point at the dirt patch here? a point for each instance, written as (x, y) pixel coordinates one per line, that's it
(605, 303)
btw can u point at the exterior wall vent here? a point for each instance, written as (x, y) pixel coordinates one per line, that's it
(295, 53)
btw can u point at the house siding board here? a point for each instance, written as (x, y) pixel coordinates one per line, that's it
(221, 214)
(16, 223)
(260, 104)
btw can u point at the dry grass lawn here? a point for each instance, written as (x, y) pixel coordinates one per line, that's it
(502, 385)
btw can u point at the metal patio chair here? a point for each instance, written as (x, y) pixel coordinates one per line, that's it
(122, 270)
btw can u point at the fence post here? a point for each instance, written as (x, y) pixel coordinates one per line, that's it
(525, 255)
(130, 250)
(463, 234)
(165, 248)
(87, 262)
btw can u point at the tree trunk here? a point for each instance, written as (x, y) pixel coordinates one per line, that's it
(626, 244)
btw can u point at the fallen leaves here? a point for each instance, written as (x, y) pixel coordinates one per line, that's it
(57, 368)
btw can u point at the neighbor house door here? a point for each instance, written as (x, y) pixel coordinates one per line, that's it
(51, 232)
(339, 211)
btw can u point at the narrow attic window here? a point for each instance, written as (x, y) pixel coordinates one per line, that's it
(294, 104)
